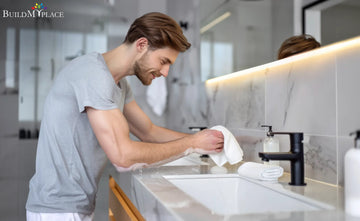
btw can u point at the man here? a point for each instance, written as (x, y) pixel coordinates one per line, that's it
(89, 114)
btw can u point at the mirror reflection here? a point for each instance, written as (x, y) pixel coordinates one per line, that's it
(333, 20)
(239, 34)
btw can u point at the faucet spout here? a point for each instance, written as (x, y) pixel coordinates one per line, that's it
(295, 156)
(267, 156)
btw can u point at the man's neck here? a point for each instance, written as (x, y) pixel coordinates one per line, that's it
(119, 61)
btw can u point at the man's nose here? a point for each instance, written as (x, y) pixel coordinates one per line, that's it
(165, 70)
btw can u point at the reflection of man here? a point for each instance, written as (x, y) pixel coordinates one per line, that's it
(297, 44)
(89, 113)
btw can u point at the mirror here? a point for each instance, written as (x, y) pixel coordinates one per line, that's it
(239, 34)
(248, 33)
(333, 20)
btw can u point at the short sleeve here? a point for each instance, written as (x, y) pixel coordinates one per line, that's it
(95, 90)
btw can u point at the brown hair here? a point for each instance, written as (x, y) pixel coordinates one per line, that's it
(297, 44)
(160, 30)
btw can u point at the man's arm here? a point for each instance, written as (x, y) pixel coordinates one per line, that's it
(112, 131)
(141, 126)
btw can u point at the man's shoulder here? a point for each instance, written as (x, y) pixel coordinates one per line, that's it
(90, 59)
(89, 64)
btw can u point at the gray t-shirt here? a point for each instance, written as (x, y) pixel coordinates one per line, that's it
(69, 159)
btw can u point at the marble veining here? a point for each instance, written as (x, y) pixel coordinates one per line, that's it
(237, 105)
(320, 158)
(290, 87)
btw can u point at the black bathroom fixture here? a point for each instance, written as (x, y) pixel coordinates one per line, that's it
(295, 156)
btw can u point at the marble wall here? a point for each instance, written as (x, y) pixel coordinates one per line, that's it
(315, 95)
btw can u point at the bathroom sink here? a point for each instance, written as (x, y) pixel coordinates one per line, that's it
(231, 194)
(190, 160)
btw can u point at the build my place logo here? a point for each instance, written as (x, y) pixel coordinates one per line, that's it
(39, 10)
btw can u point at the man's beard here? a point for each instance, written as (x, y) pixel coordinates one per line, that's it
(141, 73)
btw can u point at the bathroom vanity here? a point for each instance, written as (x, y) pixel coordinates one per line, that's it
(191, 192)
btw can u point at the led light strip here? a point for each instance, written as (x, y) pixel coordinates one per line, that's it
(322, 50)
(215, 22)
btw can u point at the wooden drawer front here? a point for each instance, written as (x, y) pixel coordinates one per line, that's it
(120, 205)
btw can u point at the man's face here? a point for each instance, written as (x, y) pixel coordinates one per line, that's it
(154, 63)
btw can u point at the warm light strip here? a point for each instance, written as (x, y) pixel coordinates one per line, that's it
(215, 22)
(322, 50)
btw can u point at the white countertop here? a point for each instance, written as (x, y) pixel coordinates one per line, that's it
(158, 199)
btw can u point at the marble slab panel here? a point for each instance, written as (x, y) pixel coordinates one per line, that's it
(320, 158)
(238, 102)
(301, 96)
(348, 81)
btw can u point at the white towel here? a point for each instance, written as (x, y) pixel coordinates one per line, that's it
(260, 171)
(232, 152)
(156, 95)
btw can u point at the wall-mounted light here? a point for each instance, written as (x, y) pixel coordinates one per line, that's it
(215, 22)
(342, 45)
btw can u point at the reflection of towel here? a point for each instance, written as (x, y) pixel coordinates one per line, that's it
(260, 171)
(232, 152)
(156, 95)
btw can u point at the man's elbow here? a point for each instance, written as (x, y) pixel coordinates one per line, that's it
(129, 167)
(121, 160)
(124, 163)
(124, 159)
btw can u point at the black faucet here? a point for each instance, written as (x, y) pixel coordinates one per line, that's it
(295, 156)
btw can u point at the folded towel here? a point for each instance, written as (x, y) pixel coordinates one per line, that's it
(232, 152)
(156, 95)
(260, 171)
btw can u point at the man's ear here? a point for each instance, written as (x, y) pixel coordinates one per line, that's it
(142, 44)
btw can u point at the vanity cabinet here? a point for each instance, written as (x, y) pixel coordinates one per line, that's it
(120, 206)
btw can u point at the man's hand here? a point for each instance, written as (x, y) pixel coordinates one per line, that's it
(208, 141)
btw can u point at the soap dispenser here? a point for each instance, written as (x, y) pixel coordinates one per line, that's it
(352, 181)
(271, 144)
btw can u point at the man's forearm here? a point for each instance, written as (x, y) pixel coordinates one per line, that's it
(141, 154)
(160, 135)
(133, 154)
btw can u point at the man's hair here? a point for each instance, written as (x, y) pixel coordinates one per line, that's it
(297, 44)
(160, 30)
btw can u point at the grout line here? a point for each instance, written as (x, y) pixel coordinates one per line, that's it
(337, 120)
(265, 97)
(322, 182)
(317, 181)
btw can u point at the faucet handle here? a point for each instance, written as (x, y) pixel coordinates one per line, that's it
(269, 131)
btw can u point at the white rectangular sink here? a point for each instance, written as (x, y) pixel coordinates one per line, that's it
(230, 194)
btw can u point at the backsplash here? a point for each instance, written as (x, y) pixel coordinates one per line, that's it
(315, 95)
